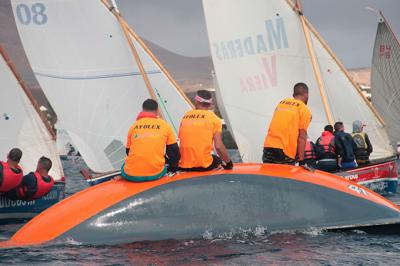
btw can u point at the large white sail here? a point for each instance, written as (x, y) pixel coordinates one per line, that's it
(84, 64)
(385, 79)
(259, 52)
(21, 125)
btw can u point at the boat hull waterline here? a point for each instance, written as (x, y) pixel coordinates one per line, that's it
(185, 206)
(13, 211)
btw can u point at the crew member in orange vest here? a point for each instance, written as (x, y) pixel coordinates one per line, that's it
(10, 172)
(199, 133)
(35, 184)
(287, 133)
(150, 144)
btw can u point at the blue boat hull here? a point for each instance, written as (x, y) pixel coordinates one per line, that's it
(12, 211)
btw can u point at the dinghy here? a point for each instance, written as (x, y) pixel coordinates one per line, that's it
(385, 78)
(23, 126)
(262, 197)
(96, 73)
(260, 50)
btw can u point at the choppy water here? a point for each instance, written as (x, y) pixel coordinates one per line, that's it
(241, 248)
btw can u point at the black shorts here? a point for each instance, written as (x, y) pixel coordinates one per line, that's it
(215, 163)
(273, 155)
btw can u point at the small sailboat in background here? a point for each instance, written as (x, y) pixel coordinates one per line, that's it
(23, 126)
(260, 50)
(96, 73)
(385, 78)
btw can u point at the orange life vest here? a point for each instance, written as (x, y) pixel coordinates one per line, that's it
(43, 187)
(309, 151)
(11, 179)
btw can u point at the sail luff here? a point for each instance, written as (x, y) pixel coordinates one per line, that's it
(316, 69)
(390, 28)
(158, 63)
(344, 70)
(27, 93)
(136, 57)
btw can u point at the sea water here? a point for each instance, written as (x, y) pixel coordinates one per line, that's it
(239, 247)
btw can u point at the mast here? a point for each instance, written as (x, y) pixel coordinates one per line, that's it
(28, 93)
(114, 9)
(344, 70)
(317, 71)
(158, 63)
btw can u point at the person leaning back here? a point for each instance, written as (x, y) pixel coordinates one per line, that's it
(150, 145)
(287, 133)
(199, 133)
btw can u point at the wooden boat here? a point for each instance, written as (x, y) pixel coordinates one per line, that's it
(96, 76)
(23, 126)
(260, 50)
(262, 197)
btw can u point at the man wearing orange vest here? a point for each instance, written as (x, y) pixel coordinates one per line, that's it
(10, 172)
(287, 133)
(150, 144)
(199, 133)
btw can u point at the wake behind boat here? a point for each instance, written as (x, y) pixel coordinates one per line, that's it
(271, 197)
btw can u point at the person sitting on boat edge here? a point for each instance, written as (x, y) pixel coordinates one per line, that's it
(150, 144)
(199, 132)
(287, 133)
(326, 151)
(345, 147)
(363, 144)
(10, 172)
(34, 185)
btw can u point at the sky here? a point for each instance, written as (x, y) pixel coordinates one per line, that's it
(179, 25)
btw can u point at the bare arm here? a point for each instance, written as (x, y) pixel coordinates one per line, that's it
(301, 144)
(220, 147)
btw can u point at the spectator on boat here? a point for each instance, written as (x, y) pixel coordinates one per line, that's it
(34, 185)
(326, 151)
(151, 147)
(10, 172)
(287, 133)
(363, 144)
(199, 133)
(310, 155)
(345, 147)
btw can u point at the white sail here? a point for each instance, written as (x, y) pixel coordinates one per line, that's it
(347, 105)
(259, 52)
(83, 62)
(22, 127)
(385, 79)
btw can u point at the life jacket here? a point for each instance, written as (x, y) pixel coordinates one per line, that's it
(326, 146)
(361, 152)
(11, 177)
(42, 188)
(309, 151)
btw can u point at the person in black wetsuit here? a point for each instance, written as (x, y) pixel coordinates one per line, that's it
(345, 147)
